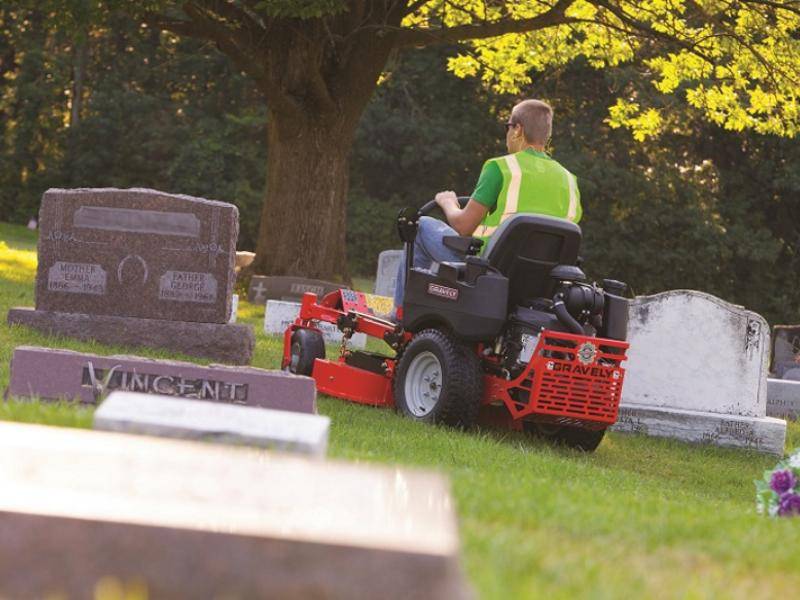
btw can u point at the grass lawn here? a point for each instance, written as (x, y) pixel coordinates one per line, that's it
(640, 517)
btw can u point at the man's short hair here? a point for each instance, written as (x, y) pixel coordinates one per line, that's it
(536, 118)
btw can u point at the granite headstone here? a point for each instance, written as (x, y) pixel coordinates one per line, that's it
(786, 352)
(88, 378)
(386, 276)
(167, 416)
(138, 268)
(184, 519)
(136, 253)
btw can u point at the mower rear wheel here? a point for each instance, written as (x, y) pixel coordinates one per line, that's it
(586, 440)
(307, 346)
(438, 380)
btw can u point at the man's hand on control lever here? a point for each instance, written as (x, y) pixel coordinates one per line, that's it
(463, 220)
(447, 199)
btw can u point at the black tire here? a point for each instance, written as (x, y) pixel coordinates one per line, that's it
(585, 440)
(460, 387)
(307, 345)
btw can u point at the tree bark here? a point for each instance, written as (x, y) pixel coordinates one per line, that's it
(303, 218)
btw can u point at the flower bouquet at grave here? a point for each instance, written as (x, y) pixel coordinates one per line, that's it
(778, 493)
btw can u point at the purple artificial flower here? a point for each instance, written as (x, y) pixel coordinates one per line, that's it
(782, 481)
(789, 505)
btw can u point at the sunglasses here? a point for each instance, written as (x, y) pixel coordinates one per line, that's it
(509, 125)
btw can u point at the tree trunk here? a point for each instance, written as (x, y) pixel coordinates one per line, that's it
(303, 218)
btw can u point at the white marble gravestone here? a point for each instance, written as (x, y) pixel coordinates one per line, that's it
(697, 371)
(279, 315)
(386, 276)
(167, 416)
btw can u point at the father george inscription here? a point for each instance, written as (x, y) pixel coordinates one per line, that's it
(136, 253)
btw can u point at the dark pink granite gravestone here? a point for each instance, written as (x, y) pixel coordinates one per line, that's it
(136, 253)
(89, 377)
(138, 268)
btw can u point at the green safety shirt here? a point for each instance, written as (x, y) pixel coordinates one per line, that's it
(525, 182)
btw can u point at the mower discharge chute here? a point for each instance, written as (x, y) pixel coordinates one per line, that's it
(516, 336)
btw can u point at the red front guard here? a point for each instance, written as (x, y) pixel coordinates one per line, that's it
(561, 384)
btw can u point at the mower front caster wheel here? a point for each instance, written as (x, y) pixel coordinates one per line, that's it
(307, 346)
(438, 380)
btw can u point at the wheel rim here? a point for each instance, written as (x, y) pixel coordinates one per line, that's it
(423, 383)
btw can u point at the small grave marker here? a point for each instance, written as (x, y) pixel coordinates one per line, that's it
(279, 315)
(165, 416)
(89, 377)
(386, 276)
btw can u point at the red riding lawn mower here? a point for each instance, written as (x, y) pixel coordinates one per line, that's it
(515, 337)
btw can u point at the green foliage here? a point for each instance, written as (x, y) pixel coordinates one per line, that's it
(156, 112)
(736, 63)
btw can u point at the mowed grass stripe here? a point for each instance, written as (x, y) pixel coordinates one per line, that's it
(641, 517)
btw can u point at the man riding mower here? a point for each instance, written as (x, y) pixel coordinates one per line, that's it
(518, 328)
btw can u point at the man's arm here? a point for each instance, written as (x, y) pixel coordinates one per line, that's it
(464, 220)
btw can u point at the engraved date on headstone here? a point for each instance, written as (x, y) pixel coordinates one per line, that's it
(188, 286)
(76, 278)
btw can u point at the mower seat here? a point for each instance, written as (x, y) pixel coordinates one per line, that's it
(526, 247)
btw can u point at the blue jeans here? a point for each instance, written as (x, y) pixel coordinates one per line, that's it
(428, 249)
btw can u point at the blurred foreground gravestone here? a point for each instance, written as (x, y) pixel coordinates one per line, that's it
(52, 374)
(140, 268)
(697, 371)
(165, 416)
(191, 520)
(386, 276)
(289, 289)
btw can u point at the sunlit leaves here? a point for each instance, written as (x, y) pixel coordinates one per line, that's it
(738, 63)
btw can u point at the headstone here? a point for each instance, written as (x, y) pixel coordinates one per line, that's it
(165, 416)
(386, 276)
(188, 520)
(263, 288)
(234, 308)
(783, 398)
(697, 371)
(228, 343)
(138, 267)
(279, 315)
(786, 352)
(136, 253)
(51, 374)
(33, 224)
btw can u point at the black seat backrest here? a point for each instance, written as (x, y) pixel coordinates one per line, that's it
(526, 247)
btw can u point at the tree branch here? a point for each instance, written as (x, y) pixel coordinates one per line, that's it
(431, 36)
